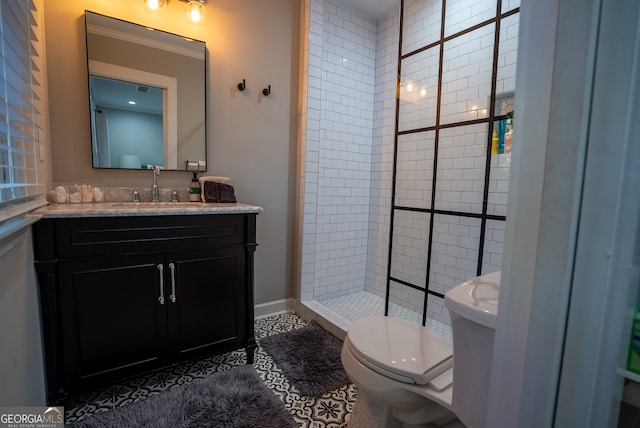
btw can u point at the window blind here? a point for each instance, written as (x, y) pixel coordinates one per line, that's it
(21, 115)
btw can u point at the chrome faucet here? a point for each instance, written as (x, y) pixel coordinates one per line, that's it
(155, 191)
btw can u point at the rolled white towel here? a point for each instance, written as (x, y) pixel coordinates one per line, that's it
(214, 178)
(87, 193)
(75, 197)
(98, 195)
(61, 195)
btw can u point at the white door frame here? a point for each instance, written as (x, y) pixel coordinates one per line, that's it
(558, 338)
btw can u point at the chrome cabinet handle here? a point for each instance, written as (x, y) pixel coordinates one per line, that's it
(172, 267)
(161, 298)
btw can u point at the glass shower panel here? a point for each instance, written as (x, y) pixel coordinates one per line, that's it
(418, 90)
(500, 166)
(410, 245)
(414, 170)
(438, 316)
(420, 24)
(463, 14)
(454, 252)
(406, 302)
(467, 68)
(507, 55)
(462, 153)
(493, 246)
(508, 5)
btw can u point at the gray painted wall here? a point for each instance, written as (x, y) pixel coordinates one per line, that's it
(251, 138)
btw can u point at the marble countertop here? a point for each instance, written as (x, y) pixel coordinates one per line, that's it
(123, 209)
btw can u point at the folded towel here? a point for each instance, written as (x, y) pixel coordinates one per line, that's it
(218, 192)
(212, 178)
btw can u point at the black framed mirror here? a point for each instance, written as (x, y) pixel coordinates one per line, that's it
(146, 96)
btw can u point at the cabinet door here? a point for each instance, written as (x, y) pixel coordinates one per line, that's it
(209, 310)
(113, 323)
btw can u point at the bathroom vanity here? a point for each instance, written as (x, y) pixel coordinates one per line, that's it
(129, 288)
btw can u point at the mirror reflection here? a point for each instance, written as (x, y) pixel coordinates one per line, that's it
(146, 95)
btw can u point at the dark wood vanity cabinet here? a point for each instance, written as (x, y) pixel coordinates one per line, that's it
(121, 296)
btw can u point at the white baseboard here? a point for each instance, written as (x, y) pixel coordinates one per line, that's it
(273, 308)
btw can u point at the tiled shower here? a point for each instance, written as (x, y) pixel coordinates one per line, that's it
(403, 163)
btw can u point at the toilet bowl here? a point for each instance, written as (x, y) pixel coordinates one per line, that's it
(409, 376)
(402, 371)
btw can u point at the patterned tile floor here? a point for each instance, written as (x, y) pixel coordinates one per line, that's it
(332, 409)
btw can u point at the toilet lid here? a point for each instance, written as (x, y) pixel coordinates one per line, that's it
(400, 349)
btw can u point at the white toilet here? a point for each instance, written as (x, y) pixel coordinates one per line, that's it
(409, 376)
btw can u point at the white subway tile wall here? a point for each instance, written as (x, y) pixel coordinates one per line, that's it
(382, 154)
(419, 90)
(414, 169)
(410, 245)
(507, 54)
(421, 24)
(454, 256)
(342, 52)
(407, 298)
(462, 154)
(309, 145)
(498, 184)
(508, 5)
(347, 157)
(493, 244)
(466, 75)
(463, 14)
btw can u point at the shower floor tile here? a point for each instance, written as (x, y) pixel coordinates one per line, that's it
(343, 310)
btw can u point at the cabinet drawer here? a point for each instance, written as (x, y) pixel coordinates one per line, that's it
(120, 235)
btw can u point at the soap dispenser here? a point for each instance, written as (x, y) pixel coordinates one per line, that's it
(194, 189)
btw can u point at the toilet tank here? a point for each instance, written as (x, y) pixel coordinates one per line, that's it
(473, 309)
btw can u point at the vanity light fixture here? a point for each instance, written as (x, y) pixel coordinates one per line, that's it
(195, 10)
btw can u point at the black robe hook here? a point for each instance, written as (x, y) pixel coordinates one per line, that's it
(266, 91)
(242, 85)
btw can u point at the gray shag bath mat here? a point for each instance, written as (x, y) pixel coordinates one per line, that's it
(309, 357)
(236, 398)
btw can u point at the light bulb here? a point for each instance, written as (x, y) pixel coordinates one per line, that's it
(410, 86)
(195, 11)
(155, 5)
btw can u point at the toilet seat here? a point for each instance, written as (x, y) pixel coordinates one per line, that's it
(399, 349)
